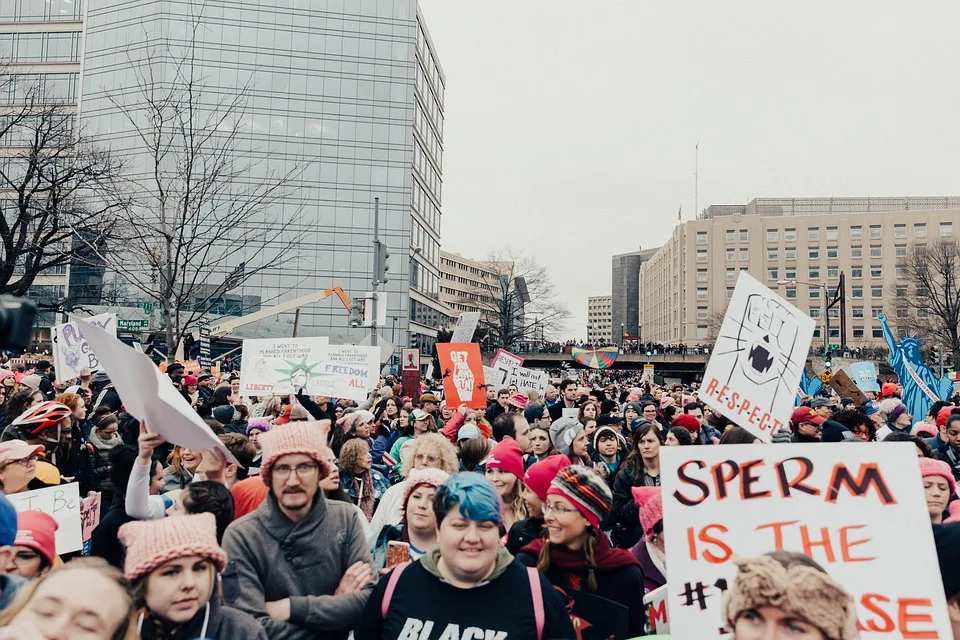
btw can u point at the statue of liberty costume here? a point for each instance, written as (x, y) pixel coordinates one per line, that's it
(921, 387)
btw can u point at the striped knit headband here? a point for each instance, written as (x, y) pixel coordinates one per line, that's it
(585, 489)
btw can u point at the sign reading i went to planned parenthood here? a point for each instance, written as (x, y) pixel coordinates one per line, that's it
(848, 508)
(755, 368)
(310, 365)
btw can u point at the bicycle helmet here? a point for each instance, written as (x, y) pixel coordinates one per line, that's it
(42, 416)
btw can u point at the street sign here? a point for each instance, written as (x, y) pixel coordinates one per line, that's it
(205, 340)
(825, 377)
(132, 325)
(147, 307)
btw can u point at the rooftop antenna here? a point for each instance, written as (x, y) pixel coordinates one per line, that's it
(696, 180)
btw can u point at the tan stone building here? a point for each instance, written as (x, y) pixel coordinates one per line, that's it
(470, 285)
(599, 324)
(684, 288)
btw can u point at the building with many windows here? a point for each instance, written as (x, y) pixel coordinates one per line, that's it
(625, 293)
(803, 243)
(351, 94)
(468, 285)
(599, 320)
(40, 46)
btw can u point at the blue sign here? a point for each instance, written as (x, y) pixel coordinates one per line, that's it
(864, 375)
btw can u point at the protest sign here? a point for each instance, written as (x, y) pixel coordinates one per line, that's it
(493, 378)
(281, 366)
(461, 366)
(72, 352)
(844, 386)
(506, 361)
(89, 514)
(465, 328)
(835, 503)
(658, 616)
(648, 371)
(758, 359)
(410, 360)
(149, 395)
(525, 378)
(63, 504)
(865, 376)
(594, 617)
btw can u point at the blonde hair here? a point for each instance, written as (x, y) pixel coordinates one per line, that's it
(128, 627)
(514, 506)
(436, 441)
(350, 455)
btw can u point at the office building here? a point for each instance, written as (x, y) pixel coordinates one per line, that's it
(599, 320)
(684, 288)
(348, 94)
(625, 293)
(40, 43)
(468, 285)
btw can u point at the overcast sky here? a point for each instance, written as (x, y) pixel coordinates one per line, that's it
(570, 126)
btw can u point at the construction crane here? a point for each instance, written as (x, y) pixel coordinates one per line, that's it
(226, 327)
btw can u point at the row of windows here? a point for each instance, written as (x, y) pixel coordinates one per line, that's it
(875, 231)
(432, 71)
(790, 253)
(52, 87)
(430, 105)
(429, 174)
(26, 48)
(431, 141)
(41, 10)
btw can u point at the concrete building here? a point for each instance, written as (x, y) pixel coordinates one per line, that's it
(625, 293)
(40, 44)
(472, 285)
(684, 288)
(599, 309)
(353, 92)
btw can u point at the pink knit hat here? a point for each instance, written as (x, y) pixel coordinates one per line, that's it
(666, 401)
(151, 543)
(307, 438)
(507, 455)
(650, 501)
(418, 478)
(932, 467)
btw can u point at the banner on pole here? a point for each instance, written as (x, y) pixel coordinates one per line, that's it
(757, 362)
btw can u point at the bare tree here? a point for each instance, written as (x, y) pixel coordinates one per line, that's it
(517, 301)
(58, 188)
(930, 293)
(200, 203)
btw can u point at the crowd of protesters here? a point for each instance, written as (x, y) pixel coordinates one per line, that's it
(397, 517)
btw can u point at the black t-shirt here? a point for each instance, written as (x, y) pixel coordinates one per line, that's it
(426, 608)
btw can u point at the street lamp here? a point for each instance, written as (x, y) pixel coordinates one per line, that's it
(623, 335)
(826, 310)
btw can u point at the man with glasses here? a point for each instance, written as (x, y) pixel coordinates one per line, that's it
(286, 556)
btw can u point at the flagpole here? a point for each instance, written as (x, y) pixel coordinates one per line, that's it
(696, 181)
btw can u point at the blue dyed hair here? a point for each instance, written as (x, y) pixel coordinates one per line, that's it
(473, 494)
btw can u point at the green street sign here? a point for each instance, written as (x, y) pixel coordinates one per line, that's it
(133, 325)
(147, 307)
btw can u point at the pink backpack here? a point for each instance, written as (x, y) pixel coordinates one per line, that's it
(532, 575)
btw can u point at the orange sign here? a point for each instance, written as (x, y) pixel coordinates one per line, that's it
(461, 366)
(190, 367)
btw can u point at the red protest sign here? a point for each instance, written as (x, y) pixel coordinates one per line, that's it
(461, 366)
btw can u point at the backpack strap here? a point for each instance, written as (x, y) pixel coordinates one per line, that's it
(537, 593)
(391, 585)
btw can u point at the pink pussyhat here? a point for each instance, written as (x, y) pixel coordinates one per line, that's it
(151, 543)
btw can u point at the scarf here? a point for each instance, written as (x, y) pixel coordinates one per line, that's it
(606, 557)
(363, 490)
(658, 558)
(104, 445)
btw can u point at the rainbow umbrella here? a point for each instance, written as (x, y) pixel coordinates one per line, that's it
(595, 358)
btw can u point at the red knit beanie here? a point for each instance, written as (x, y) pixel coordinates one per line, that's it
(540, 474)
(687, 421)
(507, 455)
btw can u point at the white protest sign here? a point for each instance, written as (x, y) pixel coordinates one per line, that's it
(506, 361)
(758, 359)
(849, 508)
(280, 366)
(149, 395)
(63, 504)
(529, 379)
(348, 371)
(72, 352)
(466, 326)
(658, 618)
(493, 378)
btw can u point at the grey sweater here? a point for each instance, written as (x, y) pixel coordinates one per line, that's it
(271, 558)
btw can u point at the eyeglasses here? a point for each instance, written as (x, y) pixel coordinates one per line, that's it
(26, 461)
(557, 509)
(303, 470)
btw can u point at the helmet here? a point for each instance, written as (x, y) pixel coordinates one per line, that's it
(42, 416)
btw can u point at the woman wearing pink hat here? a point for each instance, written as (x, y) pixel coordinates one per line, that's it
(172, 564)
(504, 468)
(35, 545)
(18, 466)
(417, 532)
(938, 487)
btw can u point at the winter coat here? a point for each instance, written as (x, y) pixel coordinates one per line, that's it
(224, 623)
(173, 481)
(625, 510)
(523, 533)
(272, 558)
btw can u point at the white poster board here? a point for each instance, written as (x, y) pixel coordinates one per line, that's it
(758, 359)
(410, 360)
(466, 327)
(506, 362)
(280, 366)
(529, 379)
(72, 352)
(848, 507)
(63, 504)
(658, 617)
(150, 396)
(493, 378)
(349, 372)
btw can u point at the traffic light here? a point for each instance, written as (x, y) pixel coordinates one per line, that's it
(381, 261)
(935, 355)
(828, 360)
(649, 353)
(356, 312)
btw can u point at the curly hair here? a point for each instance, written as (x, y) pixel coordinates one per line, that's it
(434, 442)
(350, 455)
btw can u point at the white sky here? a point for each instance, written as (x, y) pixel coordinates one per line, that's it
(570, 125)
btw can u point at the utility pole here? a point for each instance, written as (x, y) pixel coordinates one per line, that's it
(376, 271)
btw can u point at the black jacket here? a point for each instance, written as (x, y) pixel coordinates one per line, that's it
(625, 510)
(225, 623)
(523, 533)
(104, 542)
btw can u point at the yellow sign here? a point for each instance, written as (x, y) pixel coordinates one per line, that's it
(825, 377)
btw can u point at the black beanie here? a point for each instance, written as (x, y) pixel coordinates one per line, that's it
(947, 540)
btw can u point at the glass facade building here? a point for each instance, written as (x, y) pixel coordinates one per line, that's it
(345, 94)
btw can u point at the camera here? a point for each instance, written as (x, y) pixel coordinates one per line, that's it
(17, 316)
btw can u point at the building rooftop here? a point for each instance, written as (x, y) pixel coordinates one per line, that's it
(777, 207)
